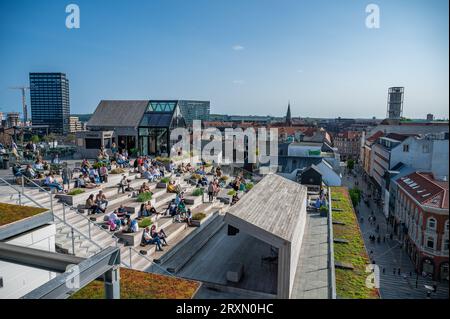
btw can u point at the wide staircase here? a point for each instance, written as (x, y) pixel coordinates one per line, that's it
(84, 235)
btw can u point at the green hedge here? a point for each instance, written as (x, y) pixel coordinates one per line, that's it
(76, 191)
(198, 192)
(144, 197)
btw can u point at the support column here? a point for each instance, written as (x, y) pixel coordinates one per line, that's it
(112, 283)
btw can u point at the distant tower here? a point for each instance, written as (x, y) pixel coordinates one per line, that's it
(395, 103)
(430, 117)
(288, 115)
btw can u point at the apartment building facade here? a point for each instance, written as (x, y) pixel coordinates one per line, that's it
(421, 222)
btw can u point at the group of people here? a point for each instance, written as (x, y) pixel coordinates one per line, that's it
(151, 236)
(149, 168)
(97, 204)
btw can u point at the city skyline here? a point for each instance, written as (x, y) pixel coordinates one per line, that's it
(232, 56)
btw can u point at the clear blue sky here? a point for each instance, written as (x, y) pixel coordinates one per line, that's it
(246, 56)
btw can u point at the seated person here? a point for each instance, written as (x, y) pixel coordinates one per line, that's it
(132, 226)
(234, 199)
(147, 239)
(150, 209)
(52, 183)
(148, 175)
(144, 188)
(29, 172)
(91, 206)
(114, 221)
(201, 170)
(218, 172)
(203, 181)
(172, 167)
(123, 214)
(173, 187)
(161, 234)
(101, 200)
(93, 176)
(39, 165)
(17, 170)
(143, 211)
(88, 183)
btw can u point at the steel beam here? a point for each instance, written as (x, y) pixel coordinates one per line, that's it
(104, 264)
(37, 258)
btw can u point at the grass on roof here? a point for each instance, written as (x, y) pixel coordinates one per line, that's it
(136, 284)
(350, 284)
(12, 213)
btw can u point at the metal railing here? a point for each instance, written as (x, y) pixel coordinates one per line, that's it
(72, 229)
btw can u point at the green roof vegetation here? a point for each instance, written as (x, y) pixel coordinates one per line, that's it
(350, 284)
(12, 213)
(143, 285)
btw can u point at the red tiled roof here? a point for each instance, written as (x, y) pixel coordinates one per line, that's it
(375, 136)
(425, 189)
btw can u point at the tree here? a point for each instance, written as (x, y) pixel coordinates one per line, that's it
(70, 138)
(355, 195)
(35, 139)
(350, 164)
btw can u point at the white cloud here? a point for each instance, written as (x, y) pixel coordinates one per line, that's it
(238, 47)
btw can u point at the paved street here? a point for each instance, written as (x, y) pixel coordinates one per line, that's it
(389, 256)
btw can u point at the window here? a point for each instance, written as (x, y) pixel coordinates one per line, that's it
(93, 143)
(445, 247)
(431, 223)
(430, 242)
(426, 148)
(406, 148)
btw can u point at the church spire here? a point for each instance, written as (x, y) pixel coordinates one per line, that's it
(288, 115)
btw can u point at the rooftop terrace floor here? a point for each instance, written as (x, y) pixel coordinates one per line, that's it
(210, 263)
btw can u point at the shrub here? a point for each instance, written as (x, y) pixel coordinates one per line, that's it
(164, 160)
(249, 186)
(147, 221)
(198, 192)
(117, 171)
(199, 216)
(232, 192)
(165, 180)
(355, 195)
(196, 176)
(144, 197)
(224, 178)
(76, 191)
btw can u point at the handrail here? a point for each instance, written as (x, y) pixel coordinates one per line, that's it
(39, 187)
(54, 215)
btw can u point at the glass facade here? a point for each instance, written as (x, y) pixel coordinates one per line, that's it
(50, 105)
(155, 126)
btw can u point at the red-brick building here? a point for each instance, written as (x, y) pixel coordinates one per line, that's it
(421, 221)
(348, 144)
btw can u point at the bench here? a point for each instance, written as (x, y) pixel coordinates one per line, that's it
(235, 272)
(130, 239)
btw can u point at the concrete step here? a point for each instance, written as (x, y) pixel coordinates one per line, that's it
(186, 250)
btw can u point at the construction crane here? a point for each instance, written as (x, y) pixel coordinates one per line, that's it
(24, 101)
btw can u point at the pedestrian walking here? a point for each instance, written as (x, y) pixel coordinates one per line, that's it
(399, 272)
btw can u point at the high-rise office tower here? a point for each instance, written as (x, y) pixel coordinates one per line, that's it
(395, 103)
(50, 105)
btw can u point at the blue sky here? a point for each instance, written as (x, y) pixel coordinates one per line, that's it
(246, 56)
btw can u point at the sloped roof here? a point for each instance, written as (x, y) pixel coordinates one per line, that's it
(375, 136)
(425, 189)
(273, 206)
(118, 113)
